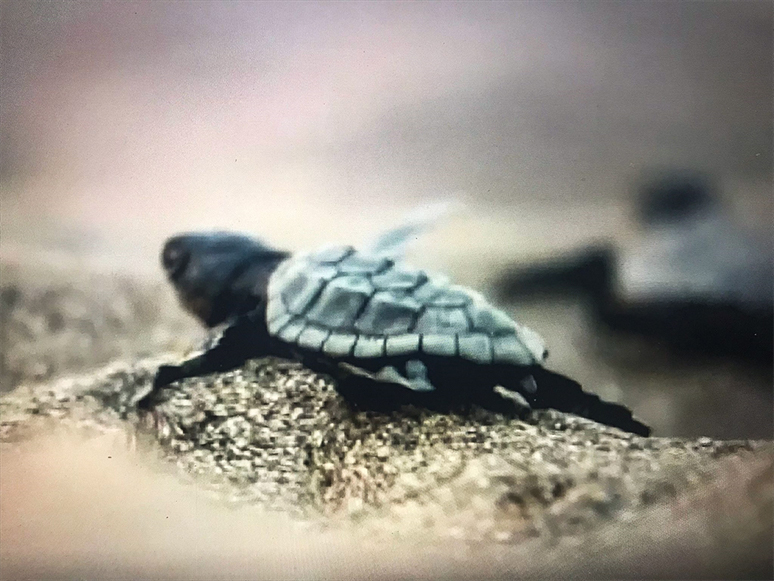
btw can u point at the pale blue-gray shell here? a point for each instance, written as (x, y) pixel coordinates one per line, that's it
(345, 303)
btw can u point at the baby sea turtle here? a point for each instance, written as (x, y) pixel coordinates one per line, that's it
(693, 280)
(384, 330)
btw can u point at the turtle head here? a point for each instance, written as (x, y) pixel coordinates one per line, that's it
(218, 275)
(675, 197)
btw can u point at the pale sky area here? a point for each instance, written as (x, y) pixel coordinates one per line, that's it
(306, 121)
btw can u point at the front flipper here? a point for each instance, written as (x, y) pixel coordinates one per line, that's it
(244, 338)
(395, 242)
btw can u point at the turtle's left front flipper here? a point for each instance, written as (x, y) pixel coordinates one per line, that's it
(244, 338)
(394, 242)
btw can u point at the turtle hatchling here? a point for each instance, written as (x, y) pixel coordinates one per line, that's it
(385, 331)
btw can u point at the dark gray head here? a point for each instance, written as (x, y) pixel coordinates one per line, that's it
(675, 196)
(218, 275)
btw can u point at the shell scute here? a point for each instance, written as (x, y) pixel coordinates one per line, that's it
(443, 345)
(312, 338)
(368, 346)
(399, 280)
(278, 322)
(301, 290)
(451, 297)
(476, 347)
(359, 264)
(291, 331)
(275, 310)
(487, 319)
(387, 314)
(338, 305)
(508, 349)
(439, 320)
(430, 289)
(402, 344)
(339, 344)
(533, 342)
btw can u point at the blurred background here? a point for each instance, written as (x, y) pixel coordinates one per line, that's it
(307, 123)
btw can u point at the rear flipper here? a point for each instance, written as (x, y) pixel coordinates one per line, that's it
(561, 393)
(246, 337)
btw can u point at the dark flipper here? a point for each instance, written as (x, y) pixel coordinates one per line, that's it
(561, 393)
(246, 337)
(585, 270)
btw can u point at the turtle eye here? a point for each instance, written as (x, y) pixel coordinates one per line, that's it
(174, 257)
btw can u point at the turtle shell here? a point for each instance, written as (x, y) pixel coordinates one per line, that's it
(350, 304)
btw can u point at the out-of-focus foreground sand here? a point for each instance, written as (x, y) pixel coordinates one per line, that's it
(87, 509)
